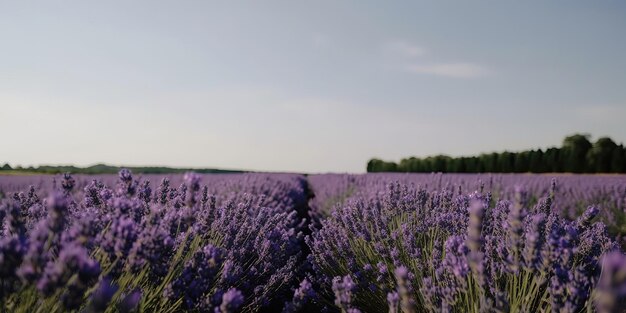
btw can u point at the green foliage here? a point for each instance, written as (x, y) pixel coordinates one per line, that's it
(601, 154)
(575, 149)
(577, 155)
(365, 253)
(525, 290)
(618, 160)
(376, 165)
(109, 169)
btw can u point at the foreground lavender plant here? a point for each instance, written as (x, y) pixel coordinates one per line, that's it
(249, 243)
(232, 246)
(611, 290)
(451, 252)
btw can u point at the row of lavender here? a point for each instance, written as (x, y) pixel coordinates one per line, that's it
(122, 244)
(573, 194)
(369, 243)
(468, 243)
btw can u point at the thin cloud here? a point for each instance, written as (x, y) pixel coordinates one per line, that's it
(453, 70)
(404, 51)
(404, 48)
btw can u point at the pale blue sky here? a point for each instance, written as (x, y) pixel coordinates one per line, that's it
(286, 86)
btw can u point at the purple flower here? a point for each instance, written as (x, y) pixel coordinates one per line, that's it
(120, 238)
(405, 289)
(163, 191)
(73, 260)
(125, 175)
(232, 300)
(145, 192)
(393, 299)
(94, 194)
(67, 183)
(265, 237)
(516, 230)
(534, 241)
(611, 289)
(344, 288)
(14, 215)
(474, 232)
(301, 297)
(101, 298)
(130, 302)
(192, 183)
(58, 207)
(585, 219)
(11, 255)
(126, 186)
(197, 278)
(153, 248)
(455, 259)
(37, 253)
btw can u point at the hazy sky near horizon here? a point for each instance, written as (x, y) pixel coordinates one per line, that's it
(317, 87)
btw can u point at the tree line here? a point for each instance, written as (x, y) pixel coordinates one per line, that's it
(108, 169)
(576, 155)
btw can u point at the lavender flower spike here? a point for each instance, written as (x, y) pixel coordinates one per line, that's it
(232, 300)
(611, 290)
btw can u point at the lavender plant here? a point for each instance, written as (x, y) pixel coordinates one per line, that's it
(232, 246)
(363, 243)
(411, 250)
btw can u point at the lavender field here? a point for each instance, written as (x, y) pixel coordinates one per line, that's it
(316, 243)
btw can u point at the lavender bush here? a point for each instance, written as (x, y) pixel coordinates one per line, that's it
(290, 243)
(572, 196)
(234, 245)
(404, 248)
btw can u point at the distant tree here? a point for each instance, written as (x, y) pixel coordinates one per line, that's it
(489, 162)
(413, 165)
(417, 165)
(577, 155)
(480, 165)
(403, 165)
(521, 162)
(471, 165)
(575, 149)
(374, 165)
(536, 164)
(6, 167)
(462, 165)
(390, 167)
(494, 161)
(457, 165)
(554, 160)
(448, 164)
(483, 160)
(425, 166)
(618, 160)
(505, 162)
(439, 163)
(600, 155)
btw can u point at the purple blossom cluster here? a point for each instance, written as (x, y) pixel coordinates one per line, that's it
(571, 196)
(318, 243)
(235, 244)
(405, 246)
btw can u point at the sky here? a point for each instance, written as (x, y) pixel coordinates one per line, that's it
(321, 86)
